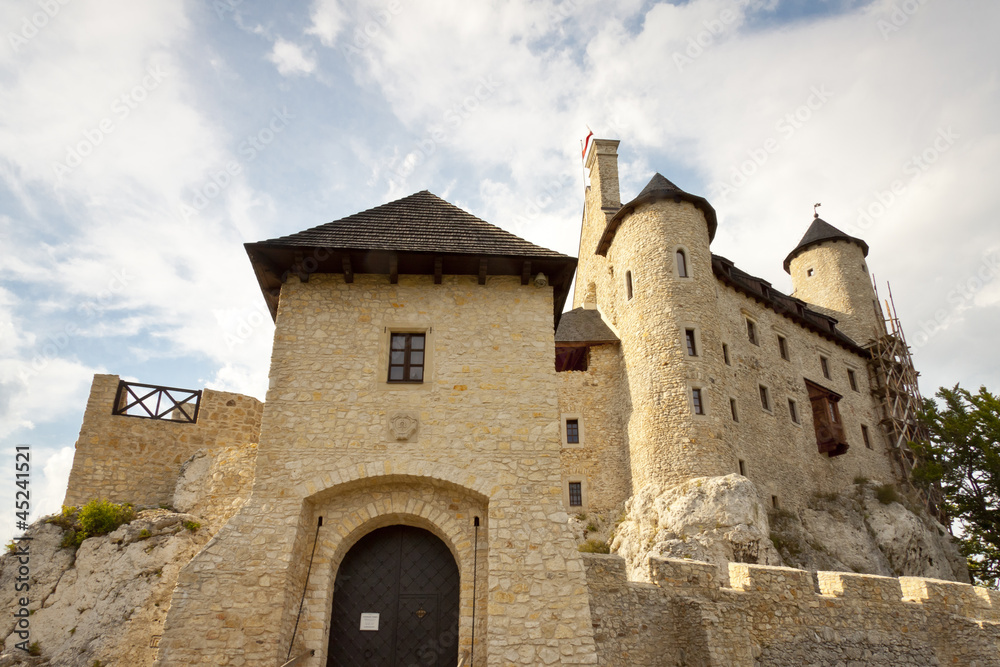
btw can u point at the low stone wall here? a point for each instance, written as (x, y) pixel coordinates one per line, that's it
(128, 459)
(779, 617)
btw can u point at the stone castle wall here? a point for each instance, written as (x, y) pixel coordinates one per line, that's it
(598, 398)
(840, 286)
(135, 460)
(783, 617)
(487, 440)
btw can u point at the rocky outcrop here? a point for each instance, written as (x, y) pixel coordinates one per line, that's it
(865, 529)
(215, 486)
(713, 519)
(105, 603)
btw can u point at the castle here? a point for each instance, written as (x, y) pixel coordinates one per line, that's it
(434, 420)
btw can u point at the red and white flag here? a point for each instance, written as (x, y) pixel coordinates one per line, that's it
(586, 143)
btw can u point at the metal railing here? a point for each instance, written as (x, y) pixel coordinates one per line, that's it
(150, 401)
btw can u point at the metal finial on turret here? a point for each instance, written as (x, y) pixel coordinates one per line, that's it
(815, 212)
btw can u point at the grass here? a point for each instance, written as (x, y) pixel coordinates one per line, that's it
(860, 480)
(34, 649)
(887, 494)
(594, 547)
(193, 526)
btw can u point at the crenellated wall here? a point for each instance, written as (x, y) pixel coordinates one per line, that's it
(782, 617)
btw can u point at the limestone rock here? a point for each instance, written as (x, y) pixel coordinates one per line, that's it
(853, 531)
(109, 601)
(713, 519)
(215, 486)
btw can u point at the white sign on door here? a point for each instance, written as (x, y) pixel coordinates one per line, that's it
(369, 621)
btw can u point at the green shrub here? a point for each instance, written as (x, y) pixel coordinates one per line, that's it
(193, 526)
(144, 534)
(594, 547)
(34, 649)
(886, 494)
(860, 480)
(100, 517)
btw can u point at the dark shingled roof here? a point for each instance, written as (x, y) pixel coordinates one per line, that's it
(417, 235)
(657, 189)
(422, 222)
(584, 325)
(819, 231)
(794, 309)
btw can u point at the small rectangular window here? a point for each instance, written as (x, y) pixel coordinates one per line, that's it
(573, 430)
(732, 408)
(783, 347)
(725, 354)
(864, 436)
(576, 494)
(682, 265)
(774, 502)
(793, 411)
(699, 405)
(852, 378)
(628, 285)
(752, 331)
(765, 398)
(692, 347)
(406, 357)
(743, 467)
(824, 364)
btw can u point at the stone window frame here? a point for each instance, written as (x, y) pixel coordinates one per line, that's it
(734, 409)
(698, 348)
(751, 325)
(725, 354)
(563, 418)
(687, 263)
(852, 379)
(866, 437)
(784, 349)
(382, 371)
(705, 403)
(794, 414)
(584, 493)
(764, 392)
(824, 365)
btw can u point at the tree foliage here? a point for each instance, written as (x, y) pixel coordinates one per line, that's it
(963, 457)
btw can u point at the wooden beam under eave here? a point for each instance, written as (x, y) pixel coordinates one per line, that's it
(482, 271)
(525, 272)
(438, 270)
(348, 271)
(393, 269)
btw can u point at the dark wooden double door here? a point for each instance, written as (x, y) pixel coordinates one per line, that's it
(410, 579)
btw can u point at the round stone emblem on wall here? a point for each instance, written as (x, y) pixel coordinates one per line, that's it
(402, 426)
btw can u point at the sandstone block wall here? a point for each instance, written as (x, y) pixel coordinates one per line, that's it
(135, 460)
(783, 617)
(487, 439)
(598, 398)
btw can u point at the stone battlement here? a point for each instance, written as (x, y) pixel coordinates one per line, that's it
(783, 616)
(127, 459)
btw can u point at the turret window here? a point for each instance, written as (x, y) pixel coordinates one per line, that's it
(697, 401)
(628, 285)
(691, 342)
(682, 264)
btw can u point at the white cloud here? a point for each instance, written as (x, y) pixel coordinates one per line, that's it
(328, 20)
(290, 59)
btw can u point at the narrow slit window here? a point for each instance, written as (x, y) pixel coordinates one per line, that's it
(732, 408)
(576, 494)
(682, 264)
(824, 364)
(699, 404)
(628, 285)
(783, 347)
(752, 331)
(725, 354)
(774, 502)
(692, 345)
(573, 431)
(406, 357)
(793, 411)
(765, 398)
(743, 467)
(865, 436)
(852, 378)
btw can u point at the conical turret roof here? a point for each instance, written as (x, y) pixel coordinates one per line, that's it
(819, 231)
(658, 188)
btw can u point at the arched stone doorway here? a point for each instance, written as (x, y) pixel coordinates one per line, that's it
(407, 577)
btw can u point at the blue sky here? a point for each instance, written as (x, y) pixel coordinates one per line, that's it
(141, 144)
